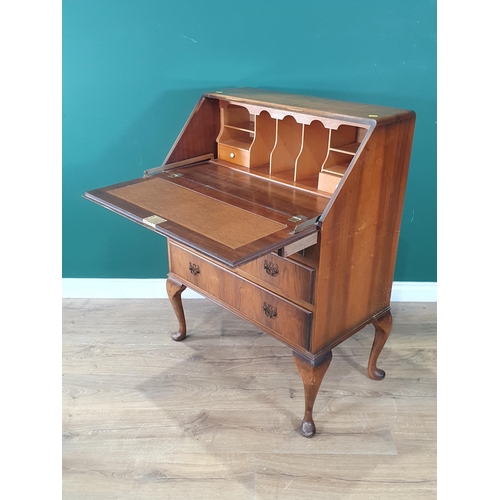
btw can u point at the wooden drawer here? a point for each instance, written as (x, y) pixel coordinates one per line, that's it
(292, 279)
(234, 155)
(276, 315)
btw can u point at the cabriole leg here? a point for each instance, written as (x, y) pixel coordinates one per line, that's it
(312, 373)
(174, 291)
(383, 327)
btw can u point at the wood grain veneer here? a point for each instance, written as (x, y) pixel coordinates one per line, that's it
(279, 317)
(321, 179)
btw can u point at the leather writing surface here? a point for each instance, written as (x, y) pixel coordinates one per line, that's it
(232, 226)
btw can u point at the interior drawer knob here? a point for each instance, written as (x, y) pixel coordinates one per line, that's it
(231, 155)
(269, 310)
(271, 268)
(194, 269)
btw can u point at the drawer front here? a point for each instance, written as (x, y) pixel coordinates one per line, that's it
(292, 278)
(234, 155)
(283, 318)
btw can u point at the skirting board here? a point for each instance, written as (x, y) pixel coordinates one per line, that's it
(88, 288)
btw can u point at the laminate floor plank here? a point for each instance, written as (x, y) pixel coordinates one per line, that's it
(217, 415)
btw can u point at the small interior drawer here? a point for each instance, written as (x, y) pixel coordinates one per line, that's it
(234, 155)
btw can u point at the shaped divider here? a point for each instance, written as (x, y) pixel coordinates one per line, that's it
(265, 140)
(315, 140)
(287, 149)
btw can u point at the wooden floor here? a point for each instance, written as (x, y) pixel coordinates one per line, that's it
(217, 416)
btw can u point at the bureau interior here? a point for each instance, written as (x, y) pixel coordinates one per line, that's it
(309, 155)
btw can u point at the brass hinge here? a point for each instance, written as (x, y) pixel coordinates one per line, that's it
(304, 225)
(152, 220)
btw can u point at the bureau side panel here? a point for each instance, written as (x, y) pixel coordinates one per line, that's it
(359, 236)
(199, 134)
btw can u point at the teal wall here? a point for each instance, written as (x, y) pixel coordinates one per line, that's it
(133, 71)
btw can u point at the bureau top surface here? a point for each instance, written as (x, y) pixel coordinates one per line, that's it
(319, 106)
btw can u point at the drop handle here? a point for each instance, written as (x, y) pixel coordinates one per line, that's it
(194, 269)
(270, 311)
(271, 268)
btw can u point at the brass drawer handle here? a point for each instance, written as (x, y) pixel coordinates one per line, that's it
(194, 269)
(270, 311)
(271, 268)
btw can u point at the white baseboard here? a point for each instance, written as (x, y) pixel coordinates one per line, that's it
(88, 288)
(414, 291)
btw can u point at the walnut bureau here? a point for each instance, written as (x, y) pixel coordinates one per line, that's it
(286, 210)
